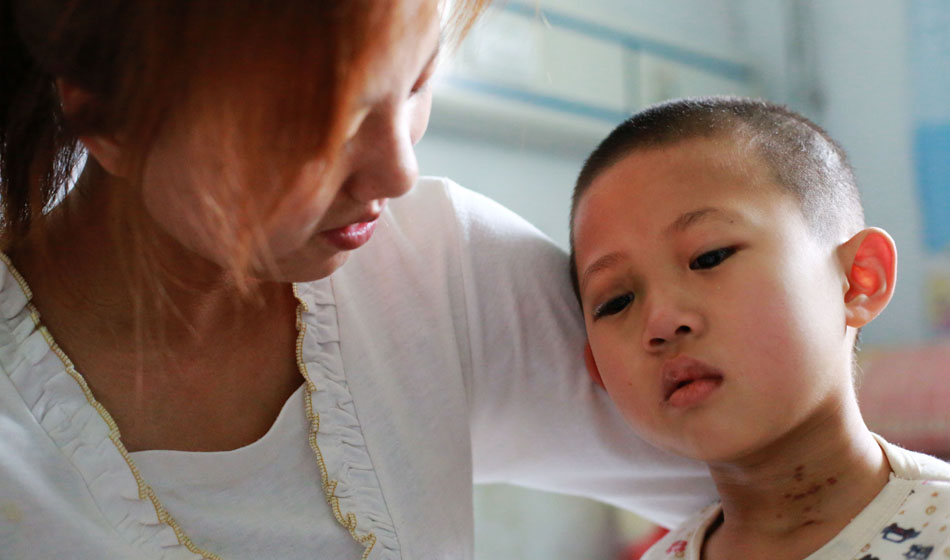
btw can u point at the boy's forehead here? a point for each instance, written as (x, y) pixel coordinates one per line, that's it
(692, 168)
(649, 191)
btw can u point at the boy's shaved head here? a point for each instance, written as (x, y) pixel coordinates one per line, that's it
(805, 161)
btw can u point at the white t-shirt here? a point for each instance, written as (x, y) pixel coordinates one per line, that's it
(908, 519)
(447, 350)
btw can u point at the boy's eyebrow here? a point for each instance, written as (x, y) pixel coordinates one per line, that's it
(603, 263)
(679, 225)
(685, 221)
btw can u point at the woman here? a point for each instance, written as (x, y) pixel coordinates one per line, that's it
(189, 370)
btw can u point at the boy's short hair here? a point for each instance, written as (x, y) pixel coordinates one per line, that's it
(804, 159)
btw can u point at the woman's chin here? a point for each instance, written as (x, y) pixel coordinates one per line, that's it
(303, 267)
(305, 262)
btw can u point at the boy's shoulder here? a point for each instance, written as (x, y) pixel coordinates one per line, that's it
(912, 465)
(912, 520)
(686, 540)
(917, 529)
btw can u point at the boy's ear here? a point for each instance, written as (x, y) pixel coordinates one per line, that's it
(870, 261)
(105, 149)
(592, 366)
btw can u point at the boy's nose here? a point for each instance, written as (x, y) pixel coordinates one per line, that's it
(669, 323)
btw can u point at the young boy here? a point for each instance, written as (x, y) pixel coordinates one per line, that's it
(720, 256)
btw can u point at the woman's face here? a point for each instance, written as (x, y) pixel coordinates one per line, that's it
(332, 206)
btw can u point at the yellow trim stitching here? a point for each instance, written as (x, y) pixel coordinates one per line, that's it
(348, 520)
(145, 491)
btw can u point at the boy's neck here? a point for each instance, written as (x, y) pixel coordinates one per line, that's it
(801, 492)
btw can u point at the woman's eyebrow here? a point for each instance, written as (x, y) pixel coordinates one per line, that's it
(368, 99)
(689, 219)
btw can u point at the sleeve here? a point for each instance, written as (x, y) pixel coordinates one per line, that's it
(536, 418)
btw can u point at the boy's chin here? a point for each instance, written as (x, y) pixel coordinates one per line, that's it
(711, 449)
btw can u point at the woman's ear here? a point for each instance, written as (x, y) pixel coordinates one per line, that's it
(592, 366)
(870, 263)
(105, 149)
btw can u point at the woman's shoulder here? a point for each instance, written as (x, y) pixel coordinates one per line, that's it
(439, 217)
(428, 191)
(439, 199)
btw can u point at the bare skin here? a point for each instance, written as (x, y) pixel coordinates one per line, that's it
(789, 499)
(189, 391)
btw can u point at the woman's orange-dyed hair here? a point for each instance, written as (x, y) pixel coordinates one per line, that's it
(277, 78)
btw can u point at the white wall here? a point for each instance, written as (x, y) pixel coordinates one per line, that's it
(523, 524)
(707, 25)
(863, 73)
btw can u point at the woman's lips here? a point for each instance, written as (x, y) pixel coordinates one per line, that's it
(353, 236)
(687, 381)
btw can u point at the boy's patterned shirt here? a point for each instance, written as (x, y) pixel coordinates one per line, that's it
(908, 520)
(921, 528)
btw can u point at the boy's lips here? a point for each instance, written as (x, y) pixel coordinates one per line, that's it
(687, 381)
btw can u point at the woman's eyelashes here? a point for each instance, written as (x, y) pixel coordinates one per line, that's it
(613, 306)
(356, 122)
(423, 81)
(420, 87)
(712, 259)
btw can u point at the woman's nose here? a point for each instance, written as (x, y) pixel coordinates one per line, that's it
(385, 163)
(669, 322)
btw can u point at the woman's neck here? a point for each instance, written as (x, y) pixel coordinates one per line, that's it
(181, 359)
(800, 492)
(84, 263)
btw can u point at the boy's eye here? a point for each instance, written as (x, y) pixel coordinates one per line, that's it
(711, 259)
(613, 306)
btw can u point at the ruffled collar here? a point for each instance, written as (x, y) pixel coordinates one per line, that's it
(64, 406)
(348, 476)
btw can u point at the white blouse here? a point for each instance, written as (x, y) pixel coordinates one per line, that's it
(447, 350)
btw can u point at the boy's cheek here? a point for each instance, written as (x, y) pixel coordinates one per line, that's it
(628, 391)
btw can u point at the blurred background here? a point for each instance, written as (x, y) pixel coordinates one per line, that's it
(539, 82)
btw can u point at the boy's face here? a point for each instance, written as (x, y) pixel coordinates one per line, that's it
(715, 317)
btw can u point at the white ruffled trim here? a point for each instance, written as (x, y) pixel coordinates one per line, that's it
(349, 479)
(64, 406)
(62, 403)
